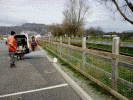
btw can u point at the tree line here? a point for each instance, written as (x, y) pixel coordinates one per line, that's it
(75, 14)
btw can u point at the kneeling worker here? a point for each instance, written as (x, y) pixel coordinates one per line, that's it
(33, 43)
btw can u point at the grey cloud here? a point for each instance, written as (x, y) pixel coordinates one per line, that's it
(111, 25)
(13, 22)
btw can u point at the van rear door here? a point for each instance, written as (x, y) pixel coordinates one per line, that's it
(21, 42)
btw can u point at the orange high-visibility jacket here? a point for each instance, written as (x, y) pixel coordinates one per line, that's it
(35, 41)
(12, 44)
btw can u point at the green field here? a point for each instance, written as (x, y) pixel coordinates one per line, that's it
(106, 47)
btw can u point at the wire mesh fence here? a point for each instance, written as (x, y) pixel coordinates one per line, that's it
(97, 66)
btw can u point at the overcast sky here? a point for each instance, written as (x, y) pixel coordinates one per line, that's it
(17, 12)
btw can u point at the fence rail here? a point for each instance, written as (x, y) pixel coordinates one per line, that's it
(122, 44)
(109, 70)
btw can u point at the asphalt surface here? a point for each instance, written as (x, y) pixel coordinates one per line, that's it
(34, 78)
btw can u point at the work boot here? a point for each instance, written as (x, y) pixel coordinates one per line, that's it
(13, 65)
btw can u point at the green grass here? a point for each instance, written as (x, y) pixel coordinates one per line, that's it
(127, 50)
(106, 66)
(99, 39)
(108, 47)
(101, 90)
(125, 91)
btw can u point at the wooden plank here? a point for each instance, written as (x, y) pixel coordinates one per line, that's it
(100, 42)
(129, 84)
(102, 53)
(122, 44)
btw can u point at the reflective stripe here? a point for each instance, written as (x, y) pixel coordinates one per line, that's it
(10, 43)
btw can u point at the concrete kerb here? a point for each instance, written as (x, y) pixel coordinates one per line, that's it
(83, 95)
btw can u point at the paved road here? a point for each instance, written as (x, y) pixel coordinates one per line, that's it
(34, 78)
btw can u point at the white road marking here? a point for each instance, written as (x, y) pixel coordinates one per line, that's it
(18, 93)
(47, 72)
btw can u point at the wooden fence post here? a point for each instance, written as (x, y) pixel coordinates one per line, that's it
(83, 53)
(49, 38)
(52, 39)
(56, 49)
(55, 39)
(60, 40)
(69, 43)
(49, 42)
(115, 50)
(43, 43)
(60, 44)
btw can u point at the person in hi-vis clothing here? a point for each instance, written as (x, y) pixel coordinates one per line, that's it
(12, 48)
(33, 43)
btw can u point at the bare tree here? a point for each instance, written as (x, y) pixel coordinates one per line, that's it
(99, 30)
(125, 8)
(74, 15)
(56, 30)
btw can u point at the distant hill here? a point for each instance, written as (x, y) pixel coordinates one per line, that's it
(39, 28)
(128, 31)
(33, 25)
(6, 30)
